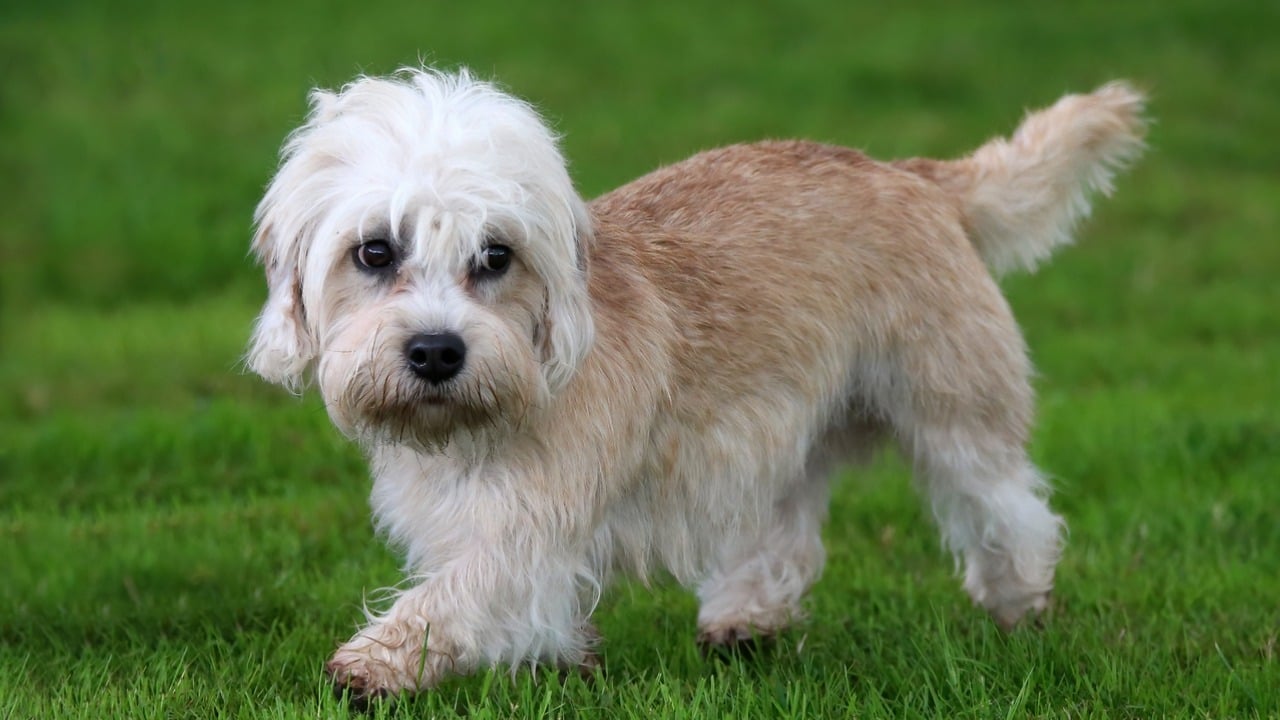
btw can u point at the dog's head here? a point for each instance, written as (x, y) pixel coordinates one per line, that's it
(425, 253)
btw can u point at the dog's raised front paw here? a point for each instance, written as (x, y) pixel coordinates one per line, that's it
(361, 679)
(355, 690)
(368, 670)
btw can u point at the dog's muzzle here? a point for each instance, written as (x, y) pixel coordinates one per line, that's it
(435, 357)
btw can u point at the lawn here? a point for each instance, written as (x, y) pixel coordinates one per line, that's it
(178, 539)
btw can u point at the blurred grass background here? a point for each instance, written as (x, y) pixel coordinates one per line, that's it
(179, 540)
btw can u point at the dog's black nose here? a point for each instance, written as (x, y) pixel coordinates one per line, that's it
(435, 357)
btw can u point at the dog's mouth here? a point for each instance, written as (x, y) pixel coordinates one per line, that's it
(429, 405)
(442, 396)
(395, 407)
(429, 413)
(439, 400)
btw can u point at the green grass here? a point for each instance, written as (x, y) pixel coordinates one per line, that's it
(178, 539)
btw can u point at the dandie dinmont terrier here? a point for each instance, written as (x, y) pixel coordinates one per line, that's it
(660, 380)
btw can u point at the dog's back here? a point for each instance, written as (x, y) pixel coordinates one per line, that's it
(1020, 198)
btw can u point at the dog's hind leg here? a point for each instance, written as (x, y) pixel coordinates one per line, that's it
(754, 591)
(989, 504)
(964, 419)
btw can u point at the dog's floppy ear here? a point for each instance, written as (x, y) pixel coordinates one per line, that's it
(283, 346)
(567, 331)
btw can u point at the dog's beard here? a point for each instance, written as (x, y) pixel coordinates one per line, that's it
(404, 410)
(379, 401)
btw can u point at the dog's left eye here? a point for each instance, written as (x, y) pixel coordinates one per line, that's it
(375, 254)
(493, 261)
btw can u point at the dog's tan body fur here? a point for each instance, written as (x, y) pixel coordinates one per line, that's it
(748, 319)
(750, 308)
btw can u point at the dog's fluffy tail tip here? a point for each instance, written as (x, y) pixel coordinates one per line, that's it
(1022, 196)
(1031, 190)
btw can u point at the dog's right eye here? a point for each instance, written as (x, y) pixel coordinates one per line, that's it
(374, 255)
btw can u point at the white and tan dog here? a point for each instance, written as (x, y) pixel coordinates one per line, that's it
(660, 380)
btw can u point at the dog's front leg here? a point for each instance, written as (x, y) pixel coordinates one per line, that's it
(519, 601)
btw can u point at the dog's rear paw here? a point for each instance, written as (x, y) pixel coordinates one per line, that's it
(590, 664)
(587, 670)
(1030, 611)
(734, 641)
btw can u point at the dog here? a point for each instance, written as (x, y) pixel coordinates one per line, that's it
(552, 392)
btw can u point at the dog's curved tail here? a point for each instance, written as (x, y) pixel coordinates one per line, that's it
(1021, 197)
